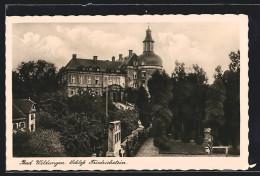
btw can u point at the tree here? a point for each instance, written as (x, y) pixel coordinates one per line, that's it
(160, 88)
(188, 102)
(161, 119)
(46, 143)
(42, 143)
(142, 98)
(128, 118)
(215, 110)
(131, 95)
(35, 77)
(143, 107)
(231, 80)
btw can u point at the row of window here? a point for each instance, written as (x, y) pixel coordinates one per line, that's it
(143, 75)
(90, 91)
(135, 84)
(135, 63)
(89, 80)
(88, 68)
(81, 80)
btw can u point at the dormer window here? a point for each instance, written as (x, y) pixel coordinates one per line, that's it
(142, 63)
(135, 63)
(98, 69)
(90, 69)
(73, 79)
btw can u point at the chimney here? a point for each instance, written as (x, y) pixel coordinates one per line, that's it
(130, 52)
(95, 58)
(74, 56)
(113, 59)
(121, 57)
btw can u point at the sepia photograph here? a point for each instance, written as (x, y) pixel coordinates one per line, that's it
(127, 87)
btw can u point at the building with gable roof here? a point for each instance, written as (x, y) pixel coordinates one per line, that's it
(95, 75)
(24, 113)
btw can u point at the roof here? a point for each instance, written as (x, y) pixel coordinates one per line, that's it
(148, 37)
(150, 59)
(128, 59)
(103, 65)
(25, 105)
(17, 113)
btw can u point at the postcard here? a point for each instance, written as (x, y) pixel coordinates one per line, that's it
(151, 92)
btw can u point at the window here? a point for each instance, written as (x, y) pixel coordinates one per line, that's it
(22, 125)
(143, 74)
(135, 75)
(72, 92)
(90, 69)
(15, 126)
(135, 85)
(97, 80)
(98, 69)
(32, 116)
(32, 127)
(142, 63)
(88, 80)
(109, 81)
(81, 79)
(135, 63)
(73, 79)
(117, 80)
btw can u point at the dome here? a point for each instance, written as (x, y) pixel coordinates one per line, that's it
(150, 59)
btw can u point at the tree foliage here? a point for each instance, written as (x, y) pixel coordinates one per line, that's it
(143, 107)
(188, 102)
(160, 88)
(33, 78)
(42, 143)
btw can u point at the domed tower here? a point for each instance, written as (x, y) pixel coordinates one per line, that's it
(148, 41)
(149, 62)
(139, 69)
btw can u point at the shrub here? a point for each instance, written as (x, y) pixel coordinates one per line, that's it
(161, 143)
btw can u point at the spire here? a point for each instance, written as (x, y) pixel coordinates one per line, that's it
(148, 37)
(148, 41)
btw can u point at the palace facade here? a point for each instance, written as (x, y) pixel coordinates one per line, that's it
(95, 76)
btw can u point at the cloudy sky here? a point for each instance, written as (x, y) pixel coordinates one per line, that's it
(203, 43)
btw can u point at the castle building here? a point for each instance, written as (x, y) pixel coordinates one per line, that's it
(24, 114)
(95, 75)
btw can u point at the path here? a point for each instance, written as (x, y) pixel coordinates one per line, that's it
(149, 150)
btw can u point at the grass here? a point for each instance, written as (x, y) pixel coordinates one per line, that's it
(178, 147)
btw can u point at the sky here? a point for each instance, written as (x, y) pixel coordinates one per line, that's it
(204, 43)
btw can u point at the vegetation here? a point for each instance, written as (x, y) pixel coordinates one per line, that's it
(181, 105)
(77, 124)
(193, 104)
(143, 107)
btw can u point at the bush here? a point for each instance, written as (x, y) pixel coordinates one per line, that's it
(161, 143)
